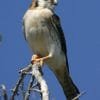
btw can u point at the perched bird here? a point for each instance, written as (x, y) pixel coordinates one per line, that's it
(43, 32)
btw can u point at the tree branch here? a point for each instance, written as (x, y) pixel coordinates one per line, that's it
(4, 92)
(35, 71)
(27, 94)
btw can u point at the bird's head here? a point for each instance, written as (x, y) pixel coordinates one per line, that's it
(46, 3)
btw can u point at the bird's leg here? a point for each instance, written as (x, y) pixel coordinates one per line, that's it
(38, 58)
(34, 57)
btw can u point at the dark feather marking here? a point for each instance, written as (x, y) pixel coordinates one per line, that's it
(57, 26)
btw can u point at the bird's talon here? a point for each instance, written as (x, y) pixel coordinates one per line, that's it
(40, 60)
(32, 62)
(35, 58)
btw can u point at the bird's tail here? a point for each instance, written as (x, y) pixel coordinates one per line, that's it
(69, 88)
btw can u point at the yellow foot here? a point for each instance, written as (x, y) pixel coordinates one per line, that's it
(38, 58)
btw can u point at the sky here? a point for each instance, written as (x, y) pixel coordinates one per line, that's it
(80, 20)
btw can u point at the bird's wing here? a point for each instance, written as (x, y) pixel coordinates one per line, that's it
(55, 21)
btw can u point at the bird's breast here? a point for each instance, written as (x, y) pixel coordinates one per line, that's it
(41, 38)
(36, 32)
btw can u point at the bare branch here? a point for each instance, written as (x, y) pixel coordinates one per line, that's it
(22, 75)
(29, 88)
(15, 89)
(36, 72)
(79, 95)
(4, 92)
(26, 69)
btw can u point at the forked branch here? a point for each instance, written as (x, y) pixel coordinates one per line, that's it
(36, 73)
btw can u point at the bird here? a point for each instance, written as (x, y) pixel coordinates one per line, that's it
(44, 34)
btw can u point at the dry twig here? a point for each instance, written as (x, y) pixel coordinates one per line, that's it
(4, 92)
(36, 73)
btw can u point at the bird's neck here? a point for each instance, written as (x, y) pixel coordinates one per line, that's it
(33, 5)
(42, 4)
